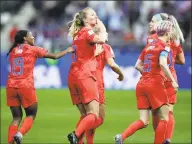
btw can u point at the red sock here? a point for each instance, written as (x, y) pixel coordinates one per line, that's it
(85, 124)
(170, 127)
(11, 132)
(98, 122)
(132, 129)
(90, 133)
(155, 120)
(90, 136)
(81, 138)
(26, 125)
(160, 132)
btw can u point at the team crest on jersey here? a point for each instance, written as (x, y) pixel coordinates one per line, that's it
(167, 49)
(90, 32)
(150, 47)
(150, 40)
(18, 51)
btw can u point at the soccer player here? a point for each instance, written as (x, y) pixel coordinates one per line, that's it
(20, 89)
(82, 78)
(154, 59)
(105, 56)
(176, 56)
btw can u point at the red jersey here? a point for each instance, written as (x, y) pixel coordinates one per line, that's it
(85, 61)
(101, 61)
(22, 60)
(174, 51)
(150, 57)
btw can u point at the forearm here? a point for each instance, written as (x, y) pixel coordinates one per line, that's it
(139, 68)
(167, 72)
(56, 55)
(116, 69)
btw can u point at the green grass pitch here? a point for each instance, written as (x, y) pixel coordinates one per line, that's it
(57, 117)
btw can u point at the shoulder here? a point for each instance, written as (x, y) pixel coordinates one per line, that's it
(151, 38)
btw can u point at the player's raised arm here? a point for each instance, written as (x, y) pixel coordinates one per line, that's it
(59, 54)
(165, 68)
(115, 68)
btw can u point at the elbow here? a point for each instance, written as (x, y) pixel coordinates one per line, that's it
(182, 62)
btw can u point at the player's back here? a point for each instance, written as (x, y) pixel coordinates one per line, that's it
(151, 54)
(85, 61)
(22, 60)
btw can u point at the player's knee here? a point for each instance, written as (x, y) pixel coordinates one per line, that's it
(16, 120)
(145, 121)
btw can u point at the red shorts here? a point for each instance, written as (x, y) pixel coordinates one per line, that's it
(171, 92)
(151, 95)
(21, 96)
(83, 90)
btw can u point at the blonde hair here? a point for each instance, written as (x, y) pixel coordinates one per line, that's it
(78, 22)
(176, 31)
(163, 28)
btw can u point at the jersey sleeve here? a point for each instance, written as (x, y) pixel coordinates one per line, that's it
(39, 52)
(164, 53)
(89, 35)
(109, 52)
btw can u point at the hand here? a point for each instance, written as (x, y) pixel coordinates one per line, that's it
(98, 49)
(101, 26)
(70, 49)
(175, 85)
(121, 77)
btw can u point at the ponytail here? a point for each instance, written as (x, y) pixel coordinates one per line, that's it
(12, 47)
(177, 33)
(78, 22)
(19, 39)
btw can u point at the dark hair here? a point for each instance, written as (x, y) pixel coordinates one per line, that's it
(19, 39)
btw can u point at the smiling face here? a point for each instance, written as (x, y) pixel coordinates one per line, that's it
(30, 39)
(91, 17)
(152, 24)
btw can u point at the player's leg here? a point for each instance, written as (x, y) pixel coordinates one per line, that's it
(155, 118)
(13, 127)
(172, 100)
(14, 103)
(29, 103)
(31, 112)
(171, 124)
(82, 115)
(144, 112)
(135, 126)
(161, 129)
(89, 97)
(90, 133)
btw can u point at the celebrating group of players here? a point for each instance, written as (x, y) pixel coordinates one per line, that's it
(156, 90)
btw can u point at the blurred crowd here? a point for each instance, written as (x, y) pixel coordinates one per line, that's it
(126, 21)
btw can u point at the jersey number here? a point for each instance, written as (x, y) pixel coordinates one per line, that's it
(147, 61)
(17, 63)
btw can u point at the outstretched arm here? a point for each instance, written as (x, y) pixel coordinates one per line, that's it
(59, 54)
